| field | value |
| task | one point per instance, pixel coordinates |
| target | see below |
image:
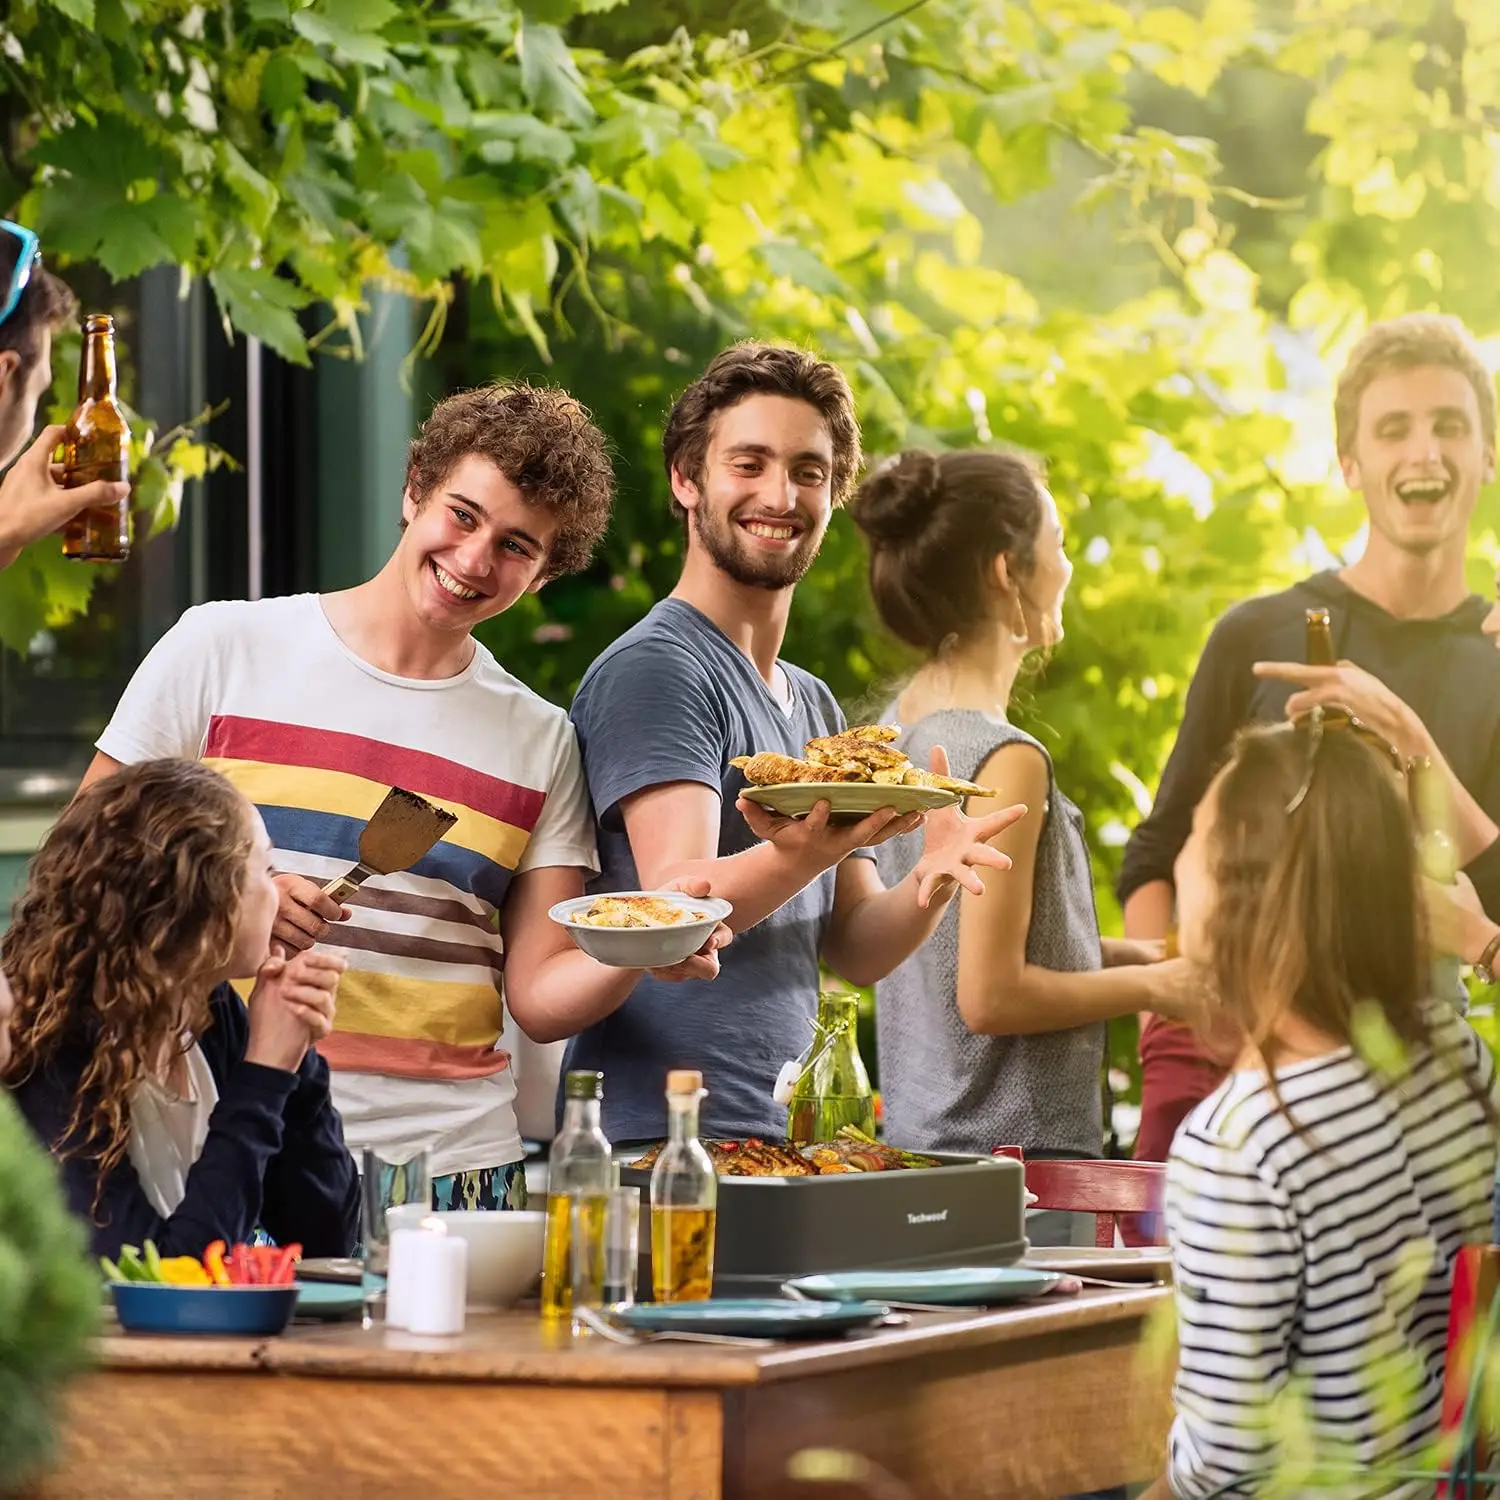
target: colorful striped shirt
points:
(267, 694)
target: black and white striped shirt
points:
(1313, 1270)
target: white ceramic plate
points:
(1118, 1262)
(848, 801)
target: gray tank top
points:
(943, 1087)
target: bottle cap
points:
(99, 323)
(786, 1082)
(684, 1081)
(584, 1084)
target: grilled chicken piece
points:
(770, 769)
(749, 1158)
(855, 750)
(762, 1159)
(915, 777)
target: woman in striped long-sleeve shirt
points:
(1316, 1201)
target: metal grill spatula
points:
(403, 828)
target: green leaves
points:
(348, 28)
(263, 306)
(49, 1299)
(550, 77)
(81, 11)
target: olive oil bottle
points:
(578, 1173)
(684, 1200)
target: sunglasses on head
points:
(28, 257)
(1315, 721)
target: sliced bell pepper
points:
(111, 1271)
(153, 1262)
(184, 1270)
(213, 1264)
(132, 1267)
(284, 1271)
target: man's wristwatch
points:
(1485, 967)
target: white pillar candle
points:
(427, 1286)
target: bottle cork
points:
(684, 1081)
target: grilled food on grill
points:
(636, 911)
(749, 1158)
(852, 1152)
(864, 753)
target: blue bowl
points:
(151, 1307)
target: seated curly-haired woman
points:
(178, 1113)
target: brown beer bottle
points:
(96, 445)
(1320, 653)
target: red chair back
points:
(1105, 1189)
(1476, 1273)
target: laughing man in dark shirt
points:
(1415, 416)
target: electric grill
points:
(969, 1211)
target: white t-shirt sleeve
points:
(165, 708)
(564, 833)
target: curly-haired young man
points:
(314, 706)
(758, 451)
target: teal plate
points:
(954, 1286)
(327, 1299)
(755, 1317)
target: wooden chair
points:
(1105, 1189)
(1471, 1324)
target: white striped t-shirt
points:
(1313, 1270)
(269, 695)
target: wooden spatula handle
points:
(342, 888)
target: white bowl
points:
(642, 947)
(505, 1247)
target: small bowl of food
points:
(640, 929)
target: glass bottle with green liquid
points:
(832, 1088)
(578, 1174)
(1437, 857)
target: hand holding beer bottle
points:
(96, 445)
(33, 502)
(1349, 697)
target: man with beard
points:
(758, 451)
(1415, 417)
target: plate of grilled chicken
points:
(856, 772)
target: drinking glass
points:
(386, 1185)
(622, 1245)
(605, 1247)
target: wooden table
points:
(1047, 1399)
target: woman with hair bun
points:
(177, 1113)
(993, 1032)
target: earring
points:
(1022, 634)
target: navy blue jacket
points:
(274, 1157)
